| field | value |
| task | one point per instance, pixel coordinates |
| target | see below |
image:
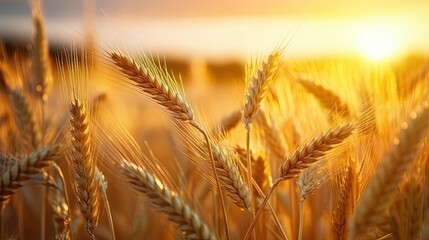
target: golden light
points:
(379, 43)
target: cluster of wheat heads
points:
(331, 150)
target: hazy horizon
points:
(230, 29)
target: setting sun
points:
(378, 43)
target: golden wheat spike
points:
(259, 85)
(41, 67)
(230, 178)
(157, 83)
(310, 153)
(377, 196)
(25, 120)
(344, 191)
(86, 186)
(190, 224)
(407, 209)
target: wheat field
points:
(108, 144)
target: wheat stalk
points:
(343, 192)
(308, 182)
(161, 87)
(25, 121)
(327, 98)
(41, 68)
(188, 221)
(308, 154)
(256, 91)
(407, 209)
(15, 176)
(84, 167)
(376, 197)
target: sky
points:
(233, 28)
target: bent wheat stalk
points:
(378, 194)
(188, 221)
(162, 88)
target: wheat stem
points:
(259, 212)
(249, 180)
(301, 218)
(263, 196)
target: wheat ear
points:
(188, 221)
(84, 167)
(62, 219)
(310, 153)
(25, 120)
(308, 182)
(343, 192)
(59, 203)
(376, 198)
(259, 85)
(15, 176)
(230, 177)
(155, 82)
(327, 98)
(41, 68)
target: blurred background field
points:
(349, 46)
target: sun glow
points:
(379, 43)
